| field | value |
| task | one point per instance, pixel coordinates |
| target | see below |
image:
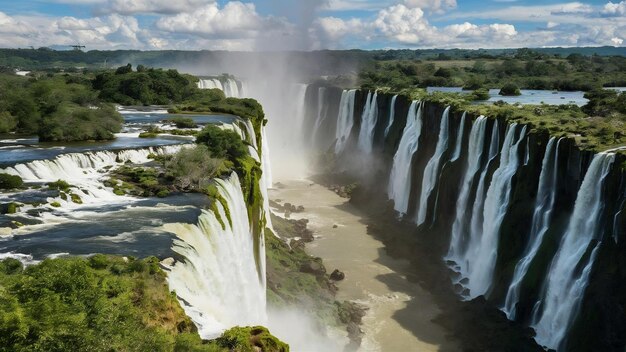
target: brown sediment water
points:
(400, 312)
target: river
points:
(373, 278)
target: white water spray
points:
(368, 123)
(218, 283)
(431, 172)
(399, 187)
(544, 204)
(483, 249)
(392, 114)
(474, 160)
(345, 119)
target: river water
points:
(373, 278)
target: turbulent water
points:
(218, 282)
(83, 171)
(570, 268)
(400, 179)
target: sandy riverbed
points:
(372, 277)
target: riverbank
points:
(400, 312)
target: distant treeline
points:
(527, 69)
(45, 58)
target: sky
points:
(310, 24)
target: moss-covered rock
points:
(250, 339)
(10, 181)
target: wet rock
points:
(296, 244)
(464, 281)
(300, 208)
(313, 267)
(337, 275)
(335, 226)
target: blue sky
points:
(311, 24)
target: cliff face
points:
(597, 320)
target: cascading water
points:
(400, 178)
(368, 122)
(218, 283)
(483, 248)
(431, 172)
(322, 108)
(459, 139)
(392, 114)
(544, 204)
(229, 86)
(84, 170)
(569, 272)
(345, 119)
(476, 219)
(474, 162)
(299, 112)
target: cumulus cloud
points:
(404, 25)
(614, 9)
(126, 7)
(234, 20)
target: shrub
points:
(10, 181)
(59, 185)
(481, 94)
(222, 143)
(183, 122)
(510, 89)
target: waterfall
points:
(467, 254)
(392, 114)
(300, 112)
(474, 160)
(368, 123)
(83, 171)
(77, 166)
(322, 108)
(399, 187)
(476, 216)
(431, 172)
(218, 282)
(484, 248)
(459, 139)
(345, 119)
(546, 194)
(229, 86)
(266, 177)
(570, 268)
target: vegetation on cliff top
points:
(104, 303)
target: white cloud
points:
(614, 9)
(404, 25)
(127, 7)
(235, 20)
(551, 24)
(438, 6)
(617, 41)
(349, 5)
